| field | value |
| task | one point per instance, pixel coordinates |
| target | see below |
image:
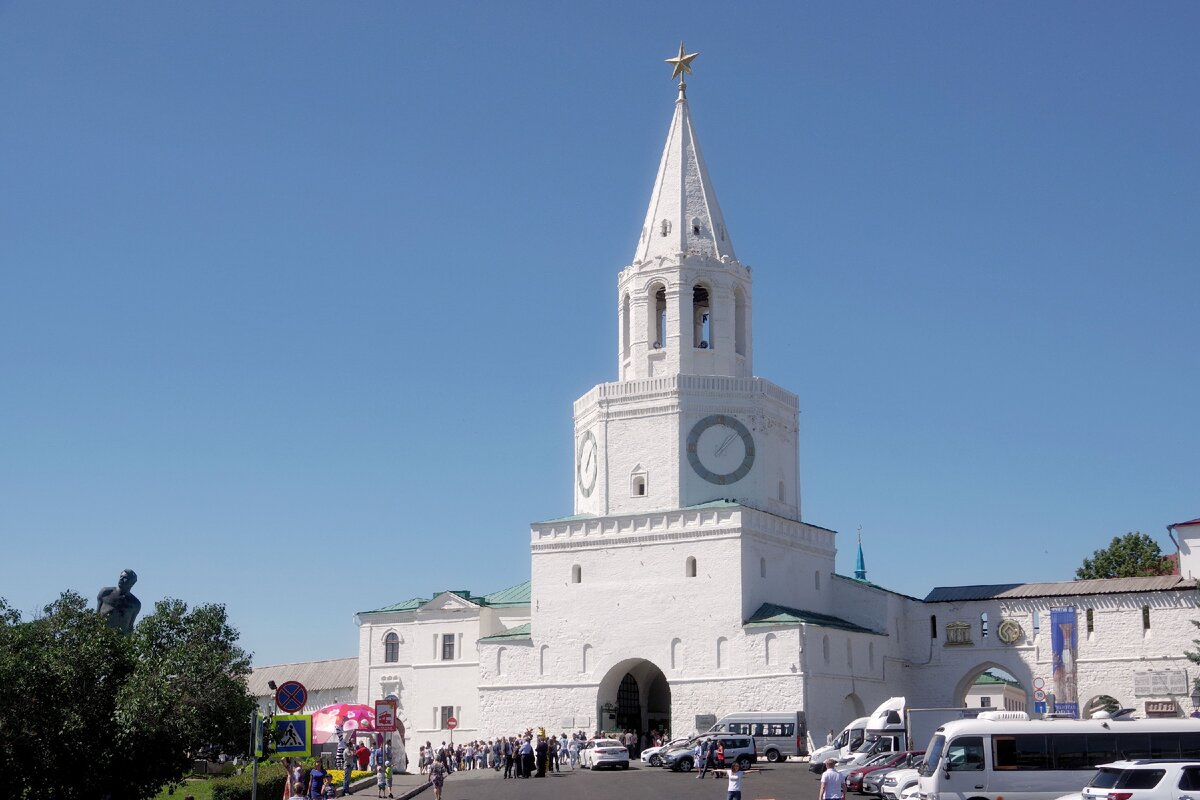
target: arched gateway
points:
(634, 695)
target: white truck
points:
(892, 727)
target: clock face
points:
(586, 464)
(720, 449)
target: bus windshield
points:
(933, 755)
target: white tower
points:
(687, 423)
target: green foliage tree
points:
(89, 713)
(1130, 556)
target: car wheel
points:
(774, 756)
(685, 764)
(744, 762)
(655, 761)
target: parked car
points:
(651, 755)
(873, 781)
(741, 749)
(856, 778)
(597, 753)
(1144, 779)
(898, 781)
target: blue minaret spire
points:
(860, 564)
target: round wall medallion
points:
(720, 449)
(1009, 631)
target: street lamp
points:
(1196, 699)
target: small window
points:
(933, 626)
(825, 648)
(391, 648)
(637, 486)
(1145, 618)
(689, 568)
(762, 567)
(576, 574)
(1091, 621)
(817, 579)
(983, 626)
(447, 647)
(447, 714)
(782, 493)
(1037, 623)
(985, 702)
(665, 227)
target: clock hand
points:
(587, 460)
(725, 444)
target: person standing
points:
(833, 783)
(542, 751)
(735, 782)
(527, 758)
(316, 779)
(506, 748)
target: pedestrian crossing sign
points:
(293, 735)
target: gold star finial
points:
(682, 63)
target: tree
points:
(1133, 555)
(90, 713)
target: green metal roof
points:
(518, 595)
(505, 598)
(771, 614)
(988, 679)
(519, 632)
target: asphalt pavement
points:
(786, 781)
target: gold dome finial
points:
(683, 66)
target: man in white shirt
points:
(833, 783)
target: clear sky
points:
(296, 296)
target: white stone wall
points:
(1188, 537)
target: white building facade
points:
(687, 501)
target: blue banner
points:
(1063, 641)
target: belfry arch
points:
(1018, 677)
(634, 694)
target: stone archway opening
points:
(634, 695)
(852, 707)
(991, 687)
(1101, 702)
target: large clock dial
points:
(586, 464)
(720, 449)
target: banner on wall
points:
(1063, 641)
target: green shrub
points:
(271, 780)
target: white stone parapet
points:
(671, 385)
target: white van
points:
(779, 734)
(845, 743)
(1004, 754)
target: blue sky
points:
(297, 296)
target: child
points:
(735, 782)
(387, 773)
(328, 791)
(380, 779)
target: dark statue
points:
(117, 605)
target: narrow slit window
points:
(1145, 618)
(689, 567)
(701, 318)
(658, 318)
(933, 626)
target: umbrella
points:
(353, 717)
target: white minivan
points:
(778, 734)
(849, 740)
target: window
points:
(985, 702)
(933, 626)
(587, 657)
(665, 227)
(1091, 622)
(391, 648)
(675, 653)
(739, 322)
(1037, 623)
(817, 579)
(637, 484)
(782, 493)
(983, 626)
(695, 226)
(625, 325)
(1023, 752)
(762, 567)
(965, 754)
(658, 317)
(689, 567)
(768, 646)
(447, 713)
(825, 648)
(576, 574)
(1145, 618)
(722, 658)
(542, 659)
(701, 319)
(447, 647)
(500, 660)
